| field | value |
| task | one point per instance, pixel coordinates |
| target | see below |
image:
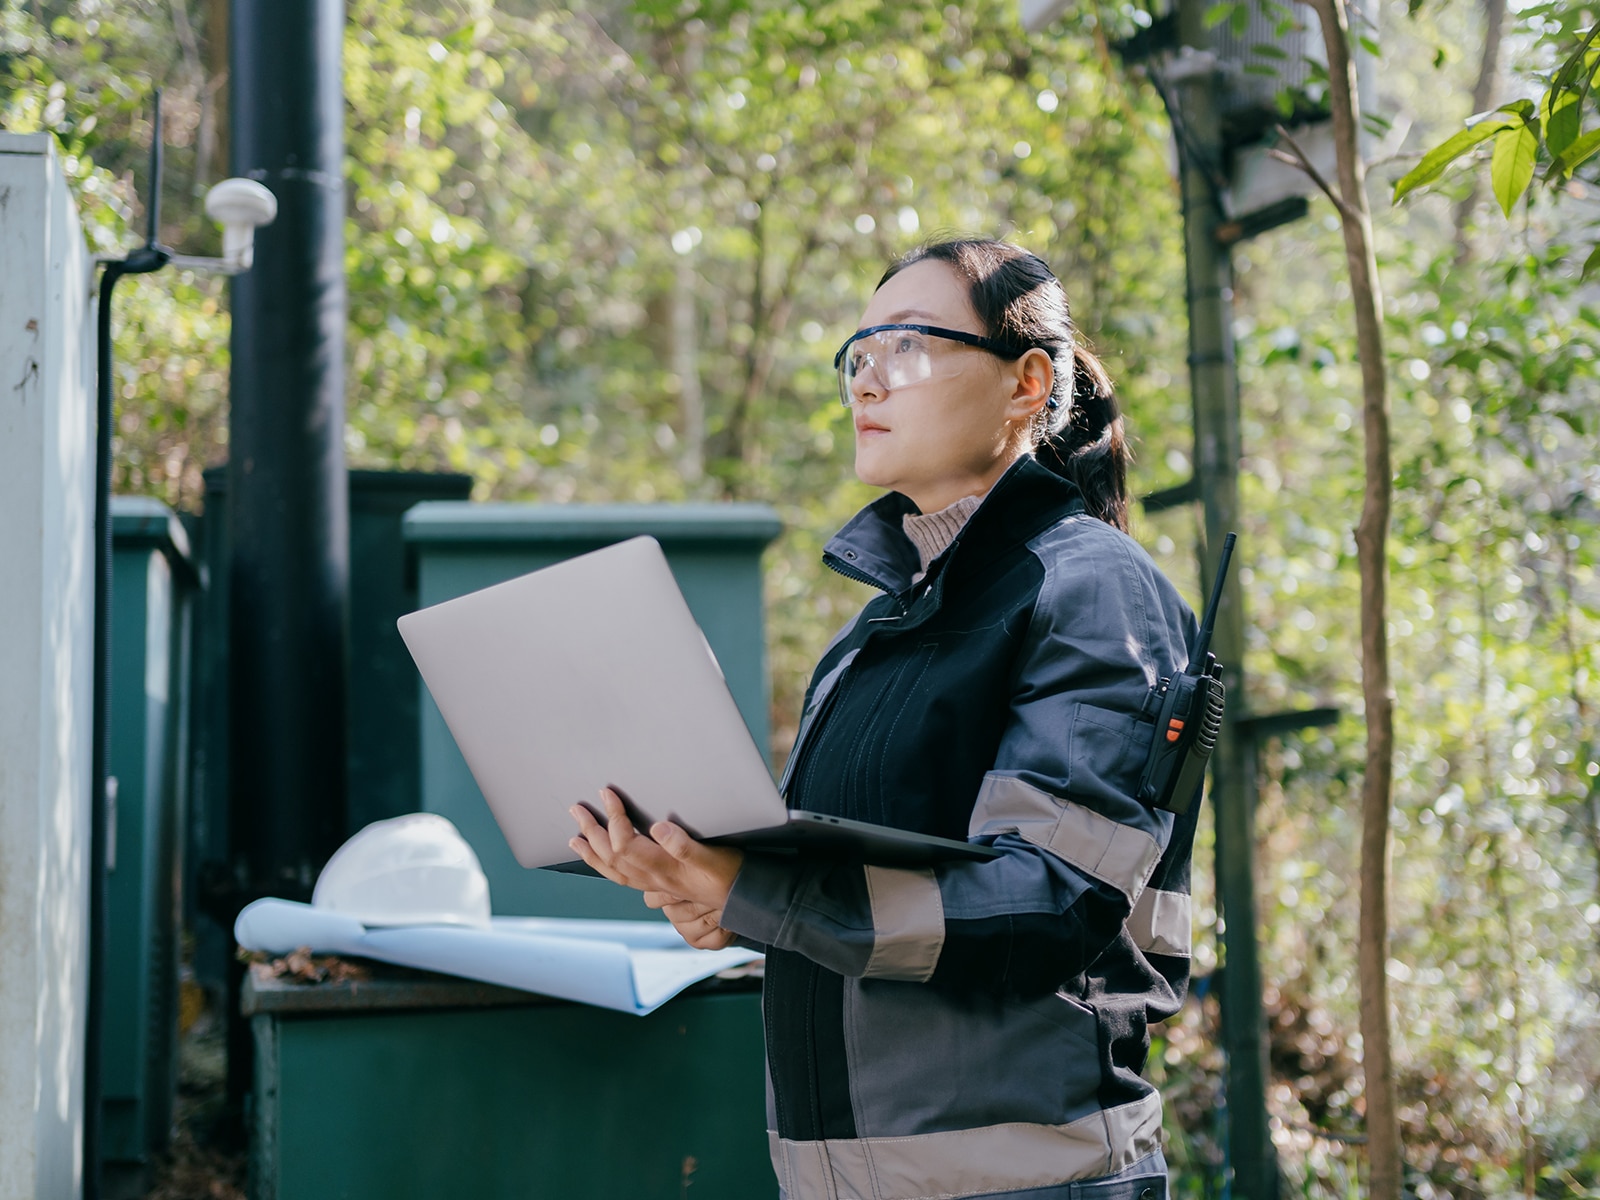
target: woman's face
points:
(953, 433)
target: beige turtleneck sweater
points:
(931, 533)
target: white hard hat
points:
(410, 870)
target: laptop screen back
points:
(587, 674)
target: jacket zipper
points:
(808, 726)
(849, 572)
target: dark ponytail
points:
(1090, 447)
(1019, 300)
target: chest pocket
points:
(1106, 753)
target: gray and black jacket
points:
(979, 1029)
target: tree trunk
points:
(686, 366)
(1494, 19)
(212, 151)
(1589, 748)
(194, 68)
(1372, 536)
(768, 322)
(1488, 792)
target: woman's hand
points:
(699, 925)
(687, 880)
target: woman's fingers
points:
(698, 924)
(591, 830)
(675, 841)
(604, 846)
(593, 844)
(710, 870)
(618, 822)
(585, 850)
(687, 912)
(620, 852)
(669, 864)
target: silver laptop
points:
(592, 673)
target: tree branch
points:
(1297, 158)
(1372, 535)
(1494, 19)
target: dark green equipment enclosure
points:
(153, 581)
(715, 554)
(446, 1088)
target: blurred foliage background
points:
(606, 252)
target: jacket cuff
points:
(759, 901)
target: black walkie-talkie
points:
(1190, 715)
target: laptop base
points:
(839, 839)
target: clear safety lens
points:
(889, 359)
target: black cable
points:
(1187, 149)
(99, 743)
(152, 256)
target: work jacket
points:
(978, 1028)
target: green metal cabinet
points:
(152, 584)
(425, 1087)
(715, 554)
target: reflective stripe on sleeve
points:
(971, 1162)
(1108, 850)
(907, 923)
(1160, 923)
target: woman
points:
(977, 1029)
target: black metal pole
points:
(288, 502)
(152, 210)
(1215, 386)
(152, 256)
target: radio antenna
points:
(1208, 622)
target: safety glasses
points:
(898, 356)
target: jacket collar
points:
(873, 547)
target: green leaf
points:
(1370, 45)
(1579, 151)
(1218, 13)
(1575, 62)
(1589, 264)
(1268, 50)
(1441, 156)
(1562, 122)
(1511, 168)
(1239, 20)
(1516, 108)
